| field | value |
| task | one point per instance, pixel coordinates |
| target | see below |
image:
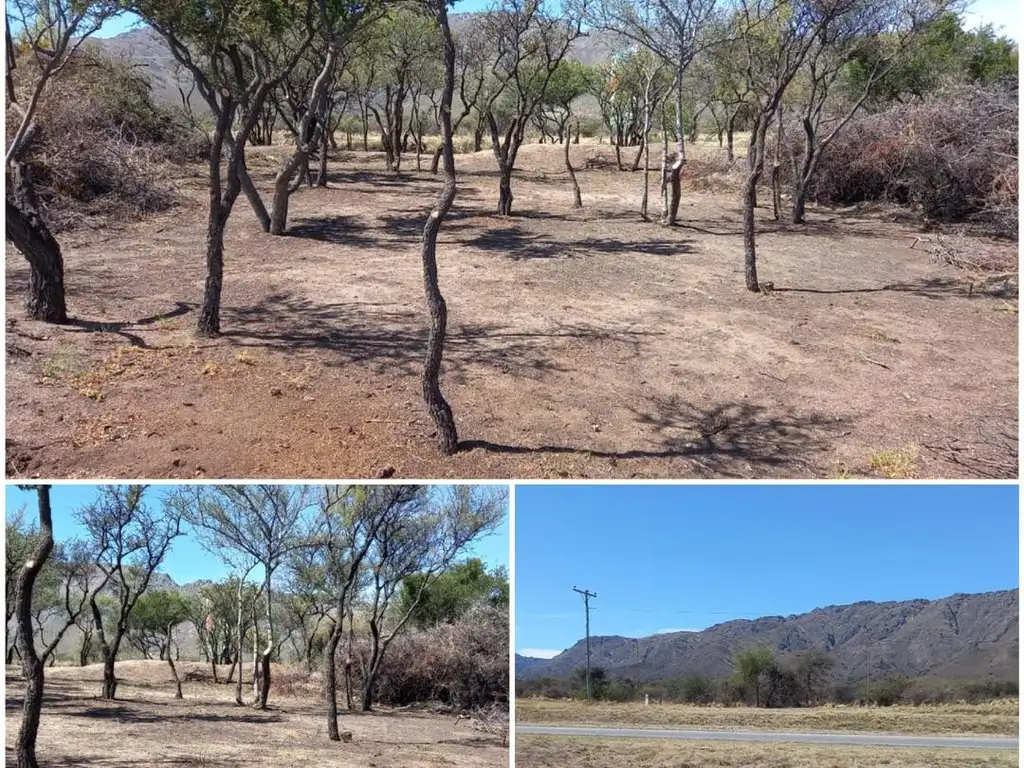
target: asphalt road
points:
(859, 739)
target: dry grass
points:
(561, 752)
(896, 463)
(147, 726)
(998, 717)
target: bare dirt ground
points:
(993, 718)
(582, 343)
(561, 752)
(147, 726)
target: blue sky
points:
(187, 560)
(670, 558)
(1005, 15)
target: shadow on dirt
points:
(395, 339)
(734, 440)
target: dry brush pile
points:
(104, 151)
(951, 157)
(462, 665)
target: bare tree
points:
(471, 72)
(262, 523)
(236, 56)
(776, 37)
(336, 23)
(530, 43)
(673, 30)
(129, 542)
(437, 405)
(31, 664)
(54, 31)
(404, 43)
(352, 518)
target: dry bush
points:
(103, 149)
(713, 172)
(953, 158)
(462, 665)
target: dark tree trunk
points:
(636, 160)
(209, 316)
(618, 157)
(436, 160)
(331, 682)
(505, 193)
(798, 213)
(30, 235)
(326, 138)
(264, 679)
(32, 666)
(777, 167)
(730, 130)
(109, 678)
(478, 135)
(577, 199)
(749, 246)
(440, 411)
(174, 670)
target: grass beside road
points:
(571, 752)
(992, 718)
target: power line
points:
(586, 607)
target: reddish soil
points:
(582, 343)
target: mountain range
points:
(961, 637)
(145, 48)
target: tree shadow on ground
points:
(336, 229)
(927, 288)
(126, 714)
(735, 440)
(518, 245)
(181, 308)
(78, 760)
(386, 179)
(395, 340)
(408, 228)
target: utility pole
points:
(586, 607)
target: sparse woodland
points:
(358, 597)
(836, 103)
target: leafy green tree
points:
(450, 595)
(599, 683)
(750, 666)
(697, 689)
(569, 81)
(812, 668)
(151, 626)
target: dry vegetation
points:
(561, 752)
(998, 717)
(582, 344)
(147, 726)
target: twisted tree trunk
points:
(32, 666)
(440, 411)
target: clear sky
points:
(670, 558)
(187, 560)
(1005, 15)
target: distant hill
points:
(147, 49)
(965, 637)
